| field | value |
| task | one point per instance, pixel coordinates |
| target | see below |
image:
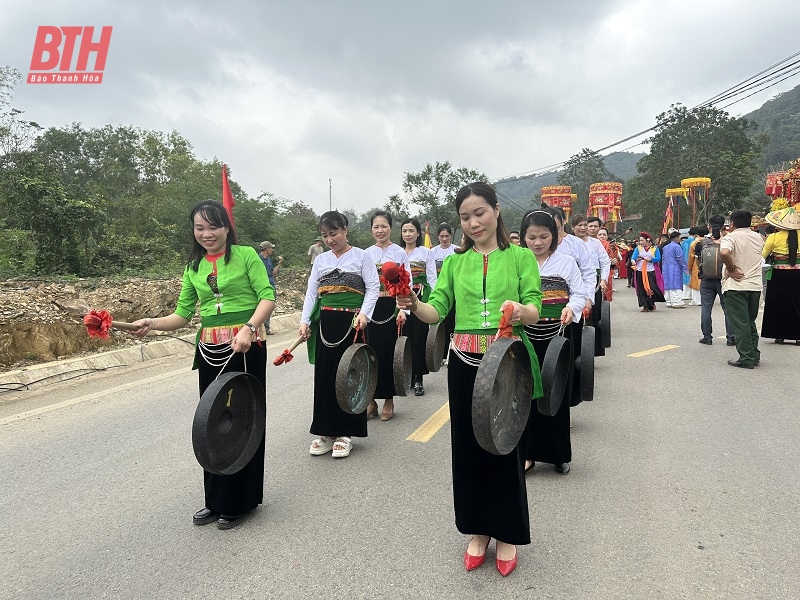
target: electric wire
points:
(785, 71)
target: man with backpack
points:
(710, 273)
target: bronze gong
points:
(402, 365)
(434, 347)
(584, 364)
(356, 378)
(605, 323)
(501, 398)
(556, 375)
(229, 423)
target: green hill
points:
(779, 118)
(523, 190)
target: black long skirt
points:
(383, 338)
(548, 437)
(645, 301)
(329, 419)
(417, 332)
(243, 491)
(489, 493)
(782, 306)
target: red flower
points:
(396, 279)
(97, 324)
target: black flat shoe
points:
(736, 363)
(204, 516)
(779, 341)
(706, 341)
(418, 389)
(730, 342)
(228, 521)
(563, 468)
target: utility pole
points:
(330, 194)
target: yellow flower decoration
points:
(779, 204)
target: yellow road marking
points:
(652, 351)
(429, 428)
(126, 386)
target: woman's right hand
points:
(143, 327)
(404, 302)
(304, 331)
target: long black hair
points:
(213, 212)
(792, 247)
(540, 218)
(485, 191)
(417, 226)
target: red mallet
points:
(287, 356)
(99, 322)
(506, 329)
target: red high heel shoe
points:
(506, 566)
(473, 562)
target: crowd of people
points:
(549, 283)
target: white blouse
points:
(561, 265)
(574, 247)
(355, 260)
(423, 255)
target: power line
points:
(740, 88)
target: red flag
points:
(227, 197)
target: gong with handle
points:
(229, 423)
(501, 398)
(356, 378)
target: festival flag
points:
(667, 219)
(227, 197)
(426, 241)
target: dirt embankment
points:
(40, 320)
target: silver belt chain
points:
(546, 331)
(217, 355)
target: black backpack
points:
(710, 263)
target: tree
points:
(698, 142)
(434, 190)
(580, 171)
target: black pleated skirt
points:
(782, 306)
(599, 346)
(489, 493)
(329, 419)
(383, 338)
(243, 491)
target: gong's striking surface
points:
(229, 423)
(501, 398)
(356, 378)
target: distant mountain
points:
(779, 118)
(523, 190)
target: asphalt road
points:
(684, 484)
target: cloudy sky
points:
(293, 93)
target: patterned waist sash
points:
(225, 334)
(781, 261)
(476, 343)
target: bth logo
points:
(55, 47)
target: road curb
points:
(36, 376)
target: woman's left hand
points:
(516, 314)
(361, 321)
(567, 316)
(242, 341)
(401, 318)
